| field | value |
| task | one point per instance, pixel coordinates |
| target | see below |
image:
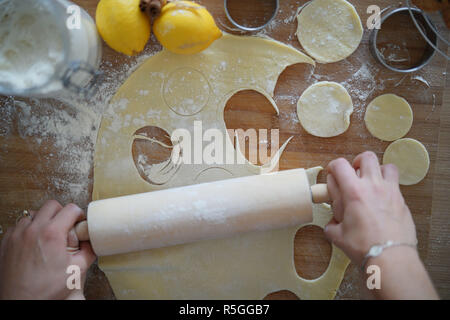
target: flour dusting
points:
(61, 135)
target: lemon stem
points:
(152, 7)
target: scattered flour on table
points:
(61, 134)
(361, 86)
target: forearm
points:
(403, 275)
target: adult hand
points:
(368, 206)
(34, 256)
(369, 209)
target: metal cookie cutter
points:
(433, 28)
(251, 29)
(425, 27)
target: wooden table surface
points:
(32, 170)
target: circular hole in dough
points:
(151, 150)
(281, 295)
(250, 109)
(389, 117)
(324, 109)
(312, 252)
(411, 158)
(329, 30)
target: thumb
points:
(333, 232)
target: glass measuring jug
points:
(47, 47)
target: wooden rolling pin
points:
(200, 212)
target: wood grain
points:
(438, 259)
(25, 168)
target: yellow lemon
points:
(122, 25)
(185, 27)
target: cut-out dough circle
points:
(411, 158)
(389, 117)
(324, 109)
(195, 88)
(329, 30)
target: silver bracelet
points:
(377, 249)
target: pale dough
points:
(244, 267)
(389, 117)
(324, 109)
(411, 158)
(329, 30)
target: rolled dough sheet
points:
(389, 117)
(329, 30)
(324, 109)
(411, 158)
(178, 91)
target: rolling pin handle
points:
(82, 232)
(320, 194)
